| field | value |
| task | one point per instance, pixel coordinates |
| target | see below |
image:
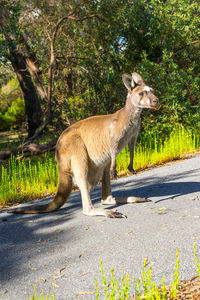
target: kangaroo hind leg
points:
(80, 165)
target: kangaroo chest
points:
(125, 135)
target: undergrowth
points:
(145, 288)
(25, 179)
(41, 296)
(155, 151)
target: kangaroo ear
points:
(137, 79)
(128, 81)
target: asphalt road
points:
(65, 247)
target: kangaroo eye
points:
(141, 94)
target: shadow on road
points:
(22, 237)
(25, 236)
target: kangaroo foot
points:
(115, 214)
(132, 170)
(104, 212)
(109, 200)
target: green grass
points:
(37, 177)
(155, 151)
(145, 288)
(27, 179)
(41, 296)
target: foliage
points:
(13, 115)
(117, 290)
(196, 260)
(22, 180)
(159, 40)
(42, 296)
(174, 288)
(153, 150)
(12, 108)
(149, 291)
(121, 290)
(76, 108)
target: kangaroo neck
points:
(132, 112)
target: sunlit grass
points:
(153, 152)
(145, 288)
(27, 179)
(37, 177)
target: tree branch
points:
(32, 148)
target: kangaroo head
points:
(140, 94)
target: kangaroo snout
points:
(156, 104)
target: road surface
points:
(65, 247)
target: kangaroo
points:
(86, 152)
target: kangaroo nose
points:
(155, 101)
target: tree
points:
(76, 52)
(15, 51)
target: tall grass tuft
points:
(41, 296)
(144, 288)
(26, 179)
(155, 151)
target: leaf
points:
(162, 208)
(59, 271)
(41, 278)
(51, 251)
(57, 276)
(84, 293)
(42, 241)
(58, 230)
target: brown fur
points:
(86, 151)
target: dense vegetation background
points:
(62, 61)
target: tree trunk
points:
(32, 104)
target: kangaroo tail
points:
(63, 192)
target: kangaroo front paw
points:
(132, 170)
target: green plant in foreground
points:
(196, 260)
(156, 151)
(150, 289)
(114, 290)
(173, 291)
(42, 296)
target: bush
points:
(13, 116)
